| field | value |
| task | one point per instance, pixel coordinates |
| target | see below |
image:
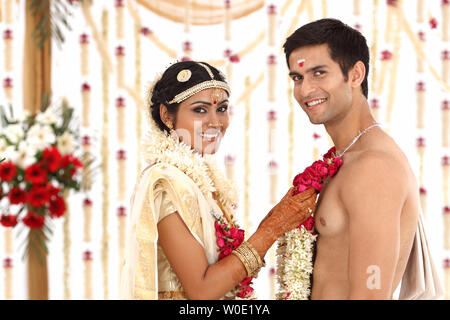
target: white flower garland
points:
(294, 264)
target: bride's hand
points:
(290, 212)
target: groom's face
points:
(319, 84)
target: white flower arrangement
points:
(295, 264)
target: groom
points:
(368, 213)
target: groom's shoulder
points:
(374, 167)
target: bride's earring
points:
(172, 132)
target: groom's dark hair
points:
(346, 45)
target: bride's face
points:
(202, 120)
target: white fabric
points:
(420, 280)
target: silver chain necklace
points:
(340, 154)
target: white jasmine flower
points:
(40, 136)
(14, 133)
(23, 115)
(46, 118)
(24, 155)
(65, 143)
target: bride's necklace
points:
(340, 154)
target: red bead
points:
(120, 102)
(227, 53)
(445, 2)
(119, 3)
(445, 161)
(273, 164)
(420, 86)
(229, 158)
(7, 83)
(374, 104)
(84, 38)
(7, 263)
(87, 255)
(316, 136)
(272, 59)
(272, 9)
(421, 142)
(234, 58)
(386, 55)
(358, 27)
(85, 87)
(445, 105)
(227, 4)
(391, 3)
(86, 141)
(446, 209)
(187, 46)
(120, 51)
(421, 35)
(121, 211)
(445, 55)
(121, 155)
(146, 31)
(272, 115)
(87, 202)
(433, 23)
(423, 191)
(8, 34)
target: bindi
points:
(301, 62)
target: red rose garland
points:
(228, 239)
(315, 176)
(295, 248)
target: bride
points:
(183, 241)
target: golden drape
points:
(36, 63)
(202, 12)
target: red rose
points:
(17, 195)
(332, 170)
(38, 196)
(338, 161)
(52, 158)
(52, 191)
(309, 224)
(57, 207)
(237, 234)
(220, 242)
(8, 220)
(7, 171)
(36, 174)
(33, 220)
(317, 186)
(330, 153)
(72, 163)
(247, 281)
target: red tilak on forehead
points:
(301, 62)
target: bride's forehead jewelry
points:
(184, 75)
(216, 94)
(301, 62)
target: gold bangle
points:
(261, 262)
(243, 260)
(249, 258)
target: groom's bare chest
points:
(330, 216)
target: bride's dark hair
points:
(168, 87)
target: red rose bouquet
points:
(39, 168)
